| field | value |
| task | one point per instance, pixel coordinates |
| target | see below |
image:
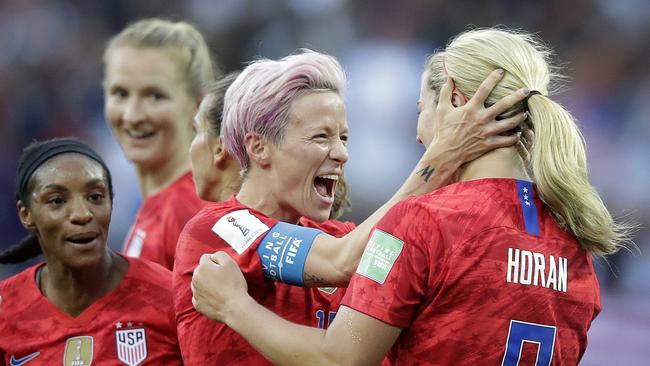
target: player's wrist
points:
(237, 307)
(444, 153)
(434, 170)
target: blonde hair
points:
(341, 199)
(179, 36)
(558, 158)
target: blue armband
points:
(283, 252)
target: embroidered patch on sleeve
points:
(239, 229)
(379, 256)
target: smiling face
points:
(147, 104)
(427, 104)
(307, 163)
(69, 208)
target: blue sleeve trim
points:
(528, 209)
(284, 250)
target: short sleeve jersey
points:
(131, 325)
(477, 273)
(206, 342)
(159, 222)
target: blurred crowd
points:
(51, 85)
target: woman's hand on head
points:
(472, 130)
(217, 286)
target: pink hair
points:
(258, 101)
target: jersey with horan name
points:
(131, 325)
(477, 273)
(159, 222)
(266, 250)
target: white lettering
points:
(539, 268)
(381, 264)
(531, 269)
(552, 275)
(526, 274)
(562, 274)
(513, 266)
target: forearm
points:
(282, 342)
(434, 170)
(333, 261)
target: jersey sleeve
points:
(332, 227)
(175, 220)
(394, 270)
(237, 233)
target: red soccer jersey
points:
(159, 222)
(131, 325)
(473, 269)
(206, 342)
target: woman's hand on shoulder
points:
(217, 286)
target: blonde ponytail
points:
(559, 165)
(558, 157)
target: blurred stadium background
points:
(51, 74)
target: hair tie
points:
(40, 152)
(530, 94)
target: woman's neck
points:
(262, 198)
(499, 163)
(152, 180)
(228, 184)
(74, 290)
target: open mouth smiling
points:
(139, 134)
(83, 238)
(325, 185)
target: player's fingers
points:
(220, 257)
(486, 87)
(0, 299)
(444, 100)
(528, 136)
(498, 141)
(505, 125)
(205, 258)
(523, 151)
(508, 101)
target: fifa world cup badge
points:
(131, 346)
(78, 351)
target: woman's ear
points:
(457, 98)
(25, 216)
(220, 155)
(258, 149)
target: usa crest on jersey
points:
(131, 346)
